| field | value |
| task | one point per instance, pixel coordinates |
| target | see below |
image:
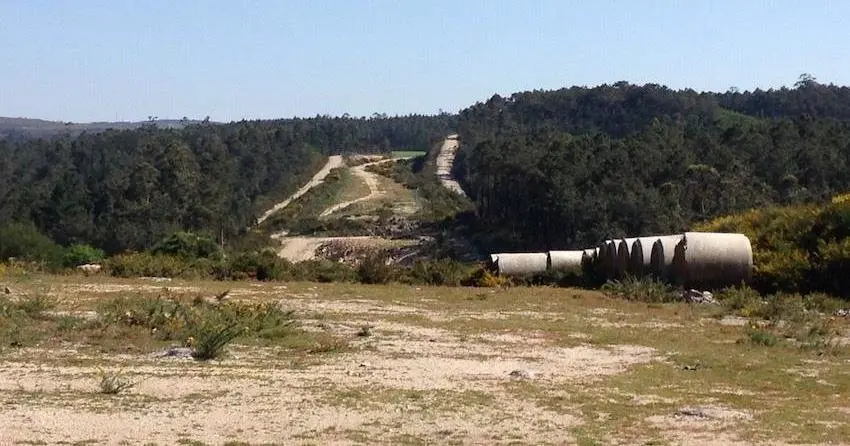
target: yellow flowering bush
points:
(799, 248)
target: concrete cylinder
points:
(710, 260)
(569, 261)
(661, 257)
(522, 264)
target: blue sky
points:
(81, 60)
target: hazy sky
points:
(81, 60)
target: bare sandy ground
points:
(439, 366)
(445, 161)
(334, 161)
(299, 249)
(405, 381)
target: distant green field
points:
(408, 153)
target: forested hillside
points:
(545, 169)
(568, 168)
(127, 189)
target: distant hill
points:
(568, 168)
(40, 128)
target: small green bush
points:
(188, 245)
(743, 301)
(376, 269)
(207, 325)
(823, 303)
(445, 272)
(762, 337)
(796, 249)
(35, 307)
(210, 337)
(783, 307)
(23, 241)
(322, 270)
(481, 277)
(263, 265)
(76, 255)
(644, 289)
(145, 264)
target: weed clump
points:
(376, 269)
(207, 326)
(644, 289)
(784, 318)
(113, 383)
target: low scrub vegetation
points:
(114, 382)
(419, 174)
(645, 289)
(804, 321)
(802, 248)
(137, 323)
(309, 206)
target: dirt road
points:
(371, 180)
(299, 249)
(334, 161)
(445, 162)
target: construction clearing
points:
(408, 365)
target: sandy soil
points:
(299, 249)
(404, 382)
(334, 161)
(445, 161)
(439, 366)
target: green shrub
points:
(35, 307)
(797, 249)
(19, 318)
(322, 270)
(444, 272)
(260, 265)
(482, 277)
(207, 325)
(145, 264)
(376, 269)
(762, 337)
(644, 289)
(782, 270)
(743, 301)
(823, 303)
(188, 245)
(783, 307)
(210, 337)
(831, 267)
(76, 255)
(23, 241)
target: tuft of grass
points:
(742, 301)
(210, 338)
(114, 382)
(645, 289)
(365, 331)
(36, 307)
(329, 345)
(759, 336)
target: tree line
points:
(127, 189)
(571, 167)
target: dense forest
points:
(545, 169)
(127, 189)
(568, 168)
